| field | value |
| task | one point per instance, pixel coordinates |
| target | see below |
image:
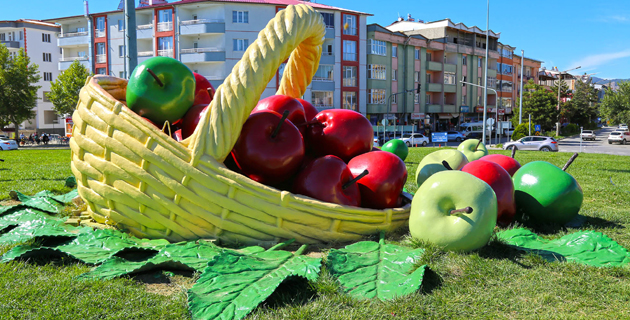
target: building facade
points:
(210, 37)
(39, 41)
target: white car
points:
(8, 144)
(415, 139)
(588, 135)
(623, 127)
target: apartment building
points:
(210, 37)
(531, 68)
(437, 56)
(39, 41)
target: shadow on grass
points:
(295, 291)
(496, 249)
(579, 221)
(160, 275)
(430, 281)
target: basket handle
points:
(297, 31)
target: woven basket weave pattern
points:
(137, 178)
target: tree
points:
(583, 106)
(18, 89)
(616, 105)
(64, 92)
(541, 104)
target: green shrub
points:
(520, 131)
(570, 129)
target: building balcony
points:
(101, 58)
(64, 63)
(448, 67)
(327, 58)
(144, 31)
(451, 47)
(99, 33)
(144, 55)
(492, 73)
(330, 33)
(450, 88)
(434, 87)
(11, 44)
(165, 26)
(434, 66)
(73, 39)
(450, 108)
(165, 53)
(323, 85)
(200, 26)
(434, 108)
(194, 55)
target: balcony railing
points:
(73, 58)
(145, 26)
(101, 58)
(164, 26)
(145, 53)
(165, 53)
(198, 50)
(198, 21)
(214, 77)
(350, 31)
(72, 34)
(100, 33)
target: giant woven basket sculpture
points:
(137, 178)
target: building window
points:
(394, 99)
(350, 100)
(394, 74)
(47, 76)
(121, 25)
(463, 100)
(100, 71)
(506, 53)
(3, 37)
(416, 76)
(377, 47)
(349, 25)
(121, 51)
(416, 98)
(376, 96)
(394, 51)
(165, 46)
(240, 44)
(100, 27)
(349, 76)
(165, 20)
(121, 74)
(428, 78)
(506, 86)
(328, 50)
(464, 60)
(47, 57)
(479, 62)
(427, 98)
(329, 19)
(506, 102)
(349, 50)
(449, 78)
(21, 36)
(46, 37)
(417, 54)
(504, 68)
(429, 56)
(45, 96)
(492, 82)
(376, 71)
(322, 99)
(280, 70)
(240, 16)
(528, 72)
(324, 73)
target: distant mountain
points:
(597, 80)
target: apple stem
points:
(211, 93)
(446, 165)
(357, 178)
(513, 152)
(285, 114)
(155, 77)
(566, 165)
(464, 210)
(478, 143)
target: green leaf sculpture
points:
(371, 269)
(233, 284)
(585, 247)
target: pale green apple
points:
(470, 149)
(432, 219)
(432, 163)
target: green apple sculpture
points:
(545, 193)
(454, 210)
(397, 147)
(473, 149)
(432, 163)
(161, 89)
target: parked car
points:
(8, 144)
(455, 136)
(414, 139)
(619, 136)
(623, 127)
(541, 143)
(588, 135)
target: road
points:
(600, 145)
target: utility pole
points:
(520, 104)
(131, 43)
(485, 77)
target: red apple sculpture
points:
(340, 132)
(381, 188)
(501, 182)
(204, 91)
(270, 148)
(509, 164)
(309, 110)
(280, 103)
(191, 119)
(328, 179)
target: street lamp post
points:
(389, 102)
(484, 118)
(558, 107)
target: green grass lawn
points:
(493, 282)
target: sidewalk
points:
(45, 146)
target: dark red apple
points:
(177, 135)
(230, 163)
(279, 103)
(380, 188)
(309, 110)
(191, 119)
(204, 91)
(270, 148)
(340, 132)
(328, 179)
(509, 164)
(501, 182)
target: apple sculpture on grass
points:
(340, 132)
(501, 183)
(381, 188)
(397, 147)
(329, 179)
(204, 91)
(454, 210)
(270, 148)
(280, 103)
(309, 110)
(546, 193)
(473, 149)
(509, 164)
(432, 163)
(161, 89)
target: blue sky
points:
(564, 33)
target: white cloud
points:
(619, 18)
(600, 59)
